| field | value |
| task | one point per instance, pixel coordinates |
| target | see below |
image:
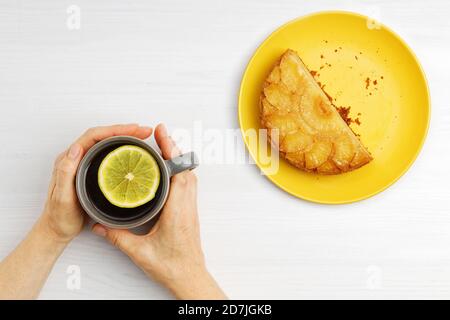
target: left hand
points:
(63, 216)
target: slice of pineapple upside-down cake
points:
(311, 134)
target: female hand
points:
(24, 271)
(62, 215)
(171, 252)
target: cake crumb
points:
(367, 82)
(328, 96)
(344, 112)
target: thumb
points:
(124, 240)
(66, 170)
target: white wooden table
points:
(181, 62)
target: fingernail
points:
(146, 128)
(163, 129)
(74, 151)
(99, 230)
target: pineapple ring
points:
(313, 136)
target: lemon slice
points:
(129, 176)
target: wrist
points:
(47, 231)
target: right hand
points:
(171, 252)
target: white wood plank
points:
(179, 62)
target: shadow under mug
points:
(100, 209)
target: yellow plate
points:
(346, 49)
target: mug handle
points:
(186, 161)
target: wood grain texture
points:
(181, 62)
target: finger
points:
(165, 142)
(124, 240)
(182, 193)
(94, 135)
(52, 183)
(66, 169)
